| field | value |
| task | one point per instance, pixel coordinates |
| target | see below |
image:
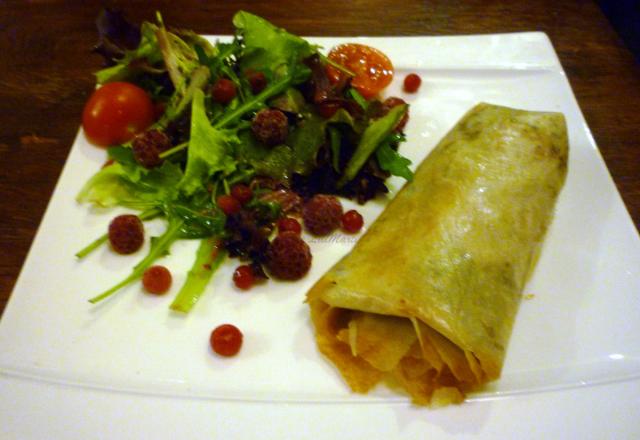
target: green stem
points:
(208, 259)
(340, 67)
(92, 246)
(157, 249)
(173, 150)
(275, 88)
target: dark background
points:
(624, 15)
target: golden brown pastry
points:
(427, 298)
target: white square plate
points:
(578, 328)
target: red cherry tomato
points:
(228, 204)
(286, 224)
(242, 193)
(412, 83)
(243, 277)
(226, 340)
(373, 69)
(352, 221)
(157, 280)
(116, 112)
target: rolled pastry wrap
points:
(427, 298)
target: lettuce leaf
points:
(180, 58)
(117, 184)
(210, 149)
(269, 48)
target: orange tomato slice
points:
(372, 68)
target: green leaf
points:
(181, 99)
(373, 135)
(342, 117)
(265, 211)
(179, 57)
(208, 259)
(198, 222)
(209, 150)
(305, 141)
(131, 185)
(268, 47)
(277, 163)
(223, 54)
(148, 50)
(334, 144)
(357, 97)
(390, 160)
(122, 155)
(108, 187)
(290, 101)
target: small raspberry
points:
(288, 257)
(126, 234)
(322, 214)
(147, 147)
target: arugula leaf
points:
(200, 217)
(270, 48)
(373, 135)
(221, 57)
(390, 160)
(209, 151)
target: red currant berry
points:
(157, 280)
(412, 83)
(243, 277)
(352, 222)
(228, 204)
(223, 91)
(226, 340)
(286, 224)
(242, 193)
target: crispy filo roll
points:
(426, 300)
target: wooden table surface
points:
(46, 76)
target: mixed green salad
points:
(216, 126)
